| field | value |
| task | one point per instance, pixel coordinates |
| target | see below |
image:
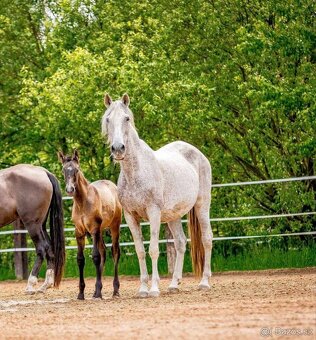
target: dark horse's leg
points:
(115, 233)
(49, 278)
(38, 237)
(49, 252)
(97, 259)
(81, 263)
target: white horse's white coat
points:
(158, 186)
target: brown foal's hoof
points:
(97, 296)
(116, 295)
(80, 296)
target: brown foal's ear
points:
(75, 156)
(61, 156)
(107, 100)
(125, 99)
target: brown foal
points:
(96, 207)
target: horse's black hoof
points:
(97, 296)
(116, 295)
(80, 296)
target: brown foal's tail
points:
(197, 249)
(56, 221)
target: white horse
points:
(161, 186)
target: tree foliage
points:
(235, 78)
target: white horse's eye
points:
(107, 120)
(127, 119)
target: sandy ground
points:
(240, 305)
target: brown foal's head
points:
(70, 170)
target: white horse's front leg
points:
(154, 220)
(140, 250)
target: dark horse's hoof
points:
(80, 296)
(116, 295)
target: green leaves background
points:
(234, 78)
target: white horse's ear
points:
(61, 156)
(75, 155)
(125, 99)
(107, 100)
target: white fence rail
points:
(219, 219)
(267, 181)
(124, 244)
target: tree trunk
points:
(20, 258)
(171, 251)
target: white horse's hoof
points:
(173, 290)
(204, 287)
(142, 294)
(30, 292)
(154, 293)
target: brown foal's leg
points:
(102, 251)
(81, 263)
(97, 240)
(115, 234)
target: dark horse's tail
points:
(56, 221)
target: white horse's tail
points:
(197, 249)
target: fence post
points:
(20, 258)
(171, 251)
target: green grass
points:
(266, 258)
(249, 256)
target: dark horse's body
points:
(29, 194)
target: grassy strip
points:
(258, 257)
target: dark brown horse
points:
(96, 207)
(28, 195)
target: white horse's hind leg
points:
(31, 282)
(154, 219)
(140, 250)
(49, 281)
(180, 242)
(207, 240)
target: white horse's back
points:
(180, 164)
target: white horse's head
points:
(117, 122)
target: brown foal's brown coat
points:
(96, 207)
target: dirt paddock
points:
(245, 305)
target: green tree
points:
(235, 78)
